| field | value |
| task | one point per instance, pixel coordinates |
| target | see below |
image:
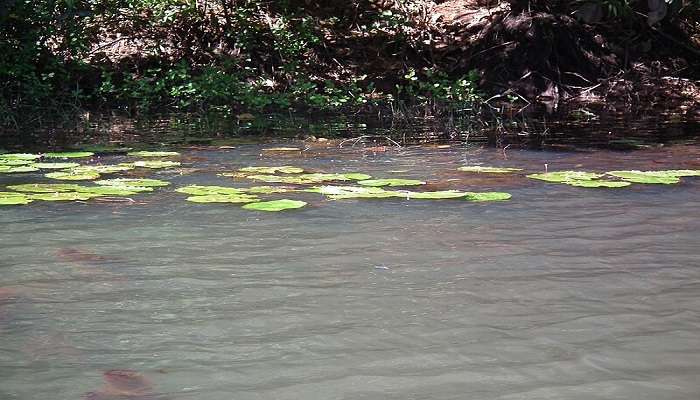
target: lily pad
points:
(353, 192)
(102, 169)
(62, 196)
(564, 176)
(488, 196)
(45, 187)
(286, 169)
(153, 153)
(14, 163)
(57, 165)
(73, 176)
(282, 149)
(668, 177)
(275, 205)
(223, 198)
(9, 169)
(597, 183)
(437, 195)
(110, 190)
(304, 179)
(156, 164)
(133, 182)
(390, 182)
(69, 154)
(488, 170)
(266, 189)
(19, 156)
(12, 198)
(199, 190)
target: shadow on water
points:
(567, 130)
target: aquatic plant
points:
(285, 169)
(488, 170)
(303, 179)
(223, 198)
(140, 182)
(11, 169)
(56, 165)
(153, 153)
(19, 156)
(390, 182)
(69, 154)
(282, 149)
(102, 169)
(275, 205)
(156, 164)
(14, 163)
(62, 196)
(44, 187)
(199, 190)
(266, 189)
(12, 198)
(666, 177)
(71, 175)
(360, 192)
(488, 196)
(579, 179)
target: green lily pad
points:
(390, 182)
(564, 176)
(73, 176)
(153, 153)
(107, 149)
(286, 169)
(596, 183)
(102, 169)
(57, 165)
(45, 187)
(19, 156)
(223, 198)
(437, 195)
(275, 205)
(133, 182)
(110, 190)
(353, 192)
(12, 198)
(156, 164)
(9, 169)
(69, 154)
(489, 170)
(199, 190)
(668, 177)
(488, 196)
(14, 163)
(304, 179)
(282, 149)
(265, 189)
(62, 196)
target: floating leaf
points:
(275, 205)
(111, 190)
(265, 189)
(488, 196)
(62, 196)
(45, 187)
(14, 163)
(102, 149)
(73, 176)
(199, 190)
(57, 165)
(69, 154)
(223, 198)
(102, 169)
(9, 169)
(133, 182)
(437, 195)
(286, 169)
(489, 170)
(304, 179)
(353, 192)
(653, 177)
(19, 156)
(282, 149)
(564, 176)
(153, 153)
(11, 198)
(596, 183)
(391, 182)
(156, 164)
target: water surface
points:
(559, 293)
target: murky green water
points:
(559, 293)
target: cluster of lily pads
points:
(610, 179)
(28, 192)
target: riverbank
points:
(484, 60)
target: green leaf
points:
(489, 170)
(102, 169)
(62, 196)
(156, 164)
(199, 190)
(285, 169)
(69, 154)
(305, 179)
(153, 153)
(437, 195)
(57, 165)
(488, 196)
(11, 198)
(133, 182)
(564, 176)
(390, 182)
(275, 205)
(14, 163)
(668, 177)
(9, 169)
(223, 198)
(45, 187)
(266, 189)
(73, 176)
(19, 156)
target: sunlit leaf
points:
(488, 170)
(275, 205)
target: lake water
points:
(560, 293)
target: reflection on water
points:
(560, 293)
